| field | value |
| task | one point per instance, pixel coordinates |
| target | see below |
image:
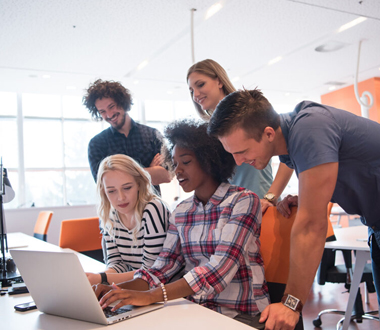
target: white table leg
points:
(361, 259)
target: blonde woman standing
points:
(208, 84)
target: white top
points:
(123, 254)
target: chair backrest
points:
(81, 234)
(42, 225)
(275, 243)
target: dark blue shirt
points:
(316, 134)
(142, 144)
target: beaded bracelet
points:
(164, 293)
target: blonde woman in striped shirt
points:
(133, 219)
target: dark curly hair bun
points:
(192, 135)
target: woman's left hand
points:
(126, 297)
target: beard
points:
(120, 122)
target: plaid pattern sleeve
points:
(169, 263)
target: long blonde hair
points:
(213, 70)
(146, 193)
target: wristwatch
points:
(270, 197)
(292, 302)
(104, 278)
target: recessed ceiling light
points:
(330, 46)
(46, 76)
(170, 92)
(135, 82)
(332, 88)
(287, 94)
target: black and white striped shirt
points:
(123, 254)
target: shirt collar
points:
(218, 195)
(115, 131)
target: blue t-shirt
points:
(248, 177)
(317, 134)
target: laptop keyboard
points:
(109, 313)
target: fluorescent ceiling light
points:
(213, 10)
(143, 64)
(351, 24)
(275, 60)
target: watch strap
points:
(104, 278)
(292, 302)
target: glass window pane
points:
(8, 103)
(80, 188)
(8, 143)
(44, 188)
(158, 125)
(158, 110)
(77, 135)
(43, 143)
(185, 109)
(39, 105)
(13, 179)
(73, 108)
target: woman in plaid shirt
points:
(211, 254)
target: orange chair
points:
(42, 225)
(275, 251)
(82, 235)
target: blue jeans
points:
(375, 256)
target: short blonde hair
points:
(146, 193)
(214, 70)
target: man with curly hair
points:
(110, 101)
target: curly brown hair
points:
(109, 89)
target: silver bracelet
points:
(164, 293)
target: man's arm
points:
(316, 187)
(158, 173)
(282, 178)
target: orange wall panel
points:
(345, 98)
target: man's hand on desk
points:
(279, 317)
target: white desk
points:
(352, 238)
(178, 314)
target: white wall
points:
(23, 220)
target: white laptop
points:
(59, 286)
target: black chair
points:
(329, 272)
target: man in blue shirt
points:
(336, 156)
(110, 101)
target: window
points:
(44, 148)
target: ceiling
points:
(61, 46)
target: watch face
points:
(270, 197)
(291, 302)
